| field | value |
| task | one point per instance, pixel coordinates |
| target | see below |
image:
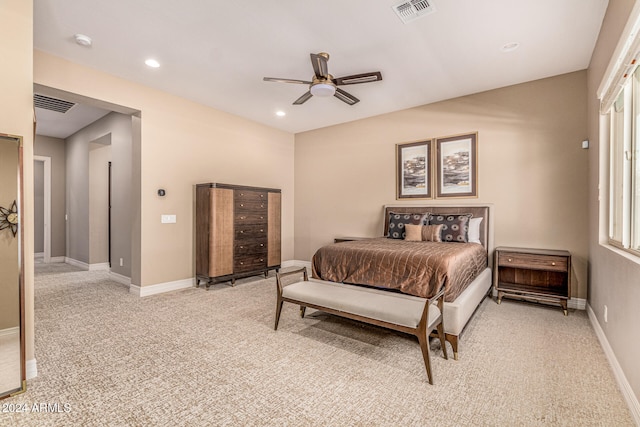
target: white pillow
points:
(474, 230)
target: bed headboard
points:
(476, 210)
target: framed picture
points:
(414, 170)
(457, 166)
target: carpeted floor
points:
(212, 358)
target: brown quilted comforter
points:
(415, 268)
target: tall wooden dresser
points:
(237, 232)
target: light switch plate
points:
(168, 219)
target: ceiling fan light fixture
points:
(323, 89)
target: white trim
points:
(103, 266)
(38, 255)
(10, 331)
(76, 263)
(626, 50)
(618, 373)
(120, 278)
(32, 368)
(577, 303)
(56, 259)
(145, 291)
(296, 263)
(47, 205)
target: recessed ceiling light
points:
(510, 47)
(83, 40)
(152, 63)
(280, 113)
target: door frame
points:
(47, 205)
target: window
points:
(624, 167)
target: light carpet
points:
(211, 358)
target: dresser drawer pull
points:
(242, 217)
(241, 205)
(553, 263)
(261, 259)
(261, 230)
(262, 245)
(510, 260)
(241, 263)
(241, 231)
(262, 195)
(262, 205)
(242, 194)
(241, 247)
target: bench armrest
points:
(279, 277)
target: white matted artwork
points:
(414, 170)
(456, 166)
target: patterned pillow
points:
(397, 221)
(455, 227)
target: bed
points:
(420, 268)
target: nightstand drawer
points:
(532, 261)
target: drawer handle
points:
(241, 231)
(241, 247)
(242, 217)
(553, 263)
(261, 217)
(261, 259)
(241, 205)
(509, 260)
(242, 194)
(262, 245)
(261, 230)
(241, 263)
(262, 205)
(262, 195)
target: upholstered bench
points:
(400, 312)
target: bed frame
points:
(457, 313)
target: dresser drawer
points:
(242, 249)
(250, 196)
(532, 261)
(251, 232)
(244, 218)
(250, 206)
(249, 263)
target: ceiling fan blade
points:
(320, 67)
(275, 79)
(345, 97)
(304, 98)
(358, 78)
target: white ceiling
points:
(217, 52)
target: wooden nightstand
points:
(539, 275)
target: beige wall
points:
(16, 117)
(182, 144)
(531, 167)
(55, 149)
(615, 278)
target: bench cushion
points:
(391, 307)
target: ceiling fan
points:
(324, 84)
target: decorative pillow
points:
(474, 230)
(413, 232)
(422, 233)
(455, 227)
(397, 221)
(432, 233)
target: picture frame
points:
(457, 166)
(413, 170)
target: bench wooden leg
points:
(278, 311)
(453, 340)
(302, 310)
(443, 341)
(423, 339)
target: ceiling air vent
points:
(409, 10)
(51, 104)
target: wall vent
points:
(407, 11)
(51, 104)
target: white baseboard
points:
(103, 266)
(38, 255)
(145, 291)
(297, 263)
(577, 303)
(57, 259)
(618, 373)
(120, 278)
(32, 368)
(76, 263)
(10, 331)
